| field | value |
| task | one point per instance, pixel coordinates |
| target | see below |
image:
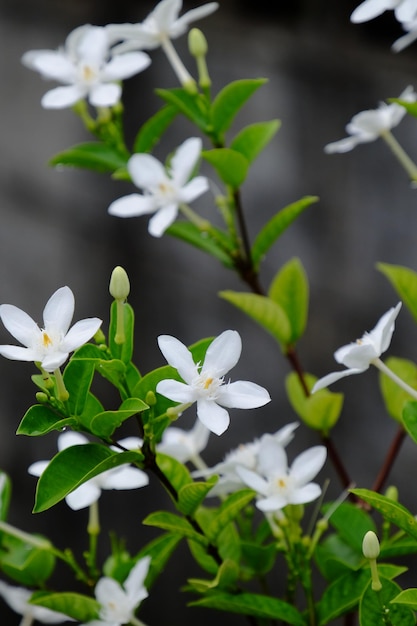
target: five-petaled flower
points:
(123, 477)
(18, 598)
(276, 484)
(161, 25)
(368, 125)
(118, 603)
(405, 10)
(359, 355)
(50, 346)
(205, 384)
(86, 68)
(164, 189)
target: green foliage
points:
(404, 281)
(189, 105)
(230, 165)
(24, 563)
(105, 423)
(410, 419)
(407, 598)
(212, 241)
(391, 511)
(252, 139)
(395, 398)
(289, 289)
(151, 131)
(229, 101)
(95, 156)
(40, 419)
(174, 524)
(376, 608)
(320, 410)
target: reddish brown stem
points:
(389, 459)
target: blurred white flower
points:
(205, 383)
(117, 602)
(408, 38)
(164, 189)
(123, 477)
(359, 355)
(50, 345)
(18, 600)
(86, 68)
(368, 125)
(405, 10)
(278, 485)
(185, 445)
(245, 455)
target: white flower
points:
(246, 455)
(405, 10)
(164, 190)
(276, 484)
(123, 477)
(18, 599)
(205, 383)
(358, 356)
(408, 38)
(161, 24)
(86, 69)
(368, 125)
(185, 445)
(118, 603)
(50, 345)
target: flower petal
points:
(17, 353)
(176, 391)
(80, 333)
(93, 45)
(333, 377)
(83, 496)
(59, 310)
(105, 95)
(195, 188)
(184, 160)
(304, 494)
(126, 65)
(37, 468)
(368, 10)
(213, 416)
(132, 205)
(357, 355)
(162, 220)
(123, 478)
(146, 171)
(50, 64)
(19, 324)
(272, 503)
(272, 458)
(178, 355)
(252, 480)
(307, 465)
(243, 394)
(180, 25)
(382, 333)
(222, 354)
(63, 97)
(134, 583)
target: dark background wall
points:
(55, 230)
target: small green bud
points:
(197, 43)
(119, 284)
(41, 397)
(150, 398)
(370, 545)
(100, 337)
(392, 493)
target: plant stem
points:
(399, 152)
(389, 460)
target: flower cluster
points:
(405, 12)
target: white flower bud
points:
(370, 545)
(119, 284)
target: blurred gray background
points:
(55, 231)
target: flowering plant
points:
(255, 517)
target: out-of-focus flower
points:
(164, 189)
(276, 484)
(411, 35)
(368, 125)
(50, 345)
(405, 10)
(123, 477)
(118, 603)
(185, 445)
(359, 355)
(205, 384)
(18, 600)
(245, 455)
(85, 67)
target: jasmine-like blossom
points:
(367, 126)
(50, 346)
(164, 189)
(204, 383)
(161, 25)
(405, 10)
(18, 600)
(278, 485)
(118, 603)
(359, 355)
(86, 68)
(245, 455)
(185, 445)
(123, 477)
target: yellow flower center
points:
(46, 340)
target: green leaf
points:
(376, 608)
(78, 376)
(73, 466)
(230, 100)
(231, 166)
(40, 419)
(395, 398)
(174, 524)
(93, 155)
(79, 607)
(252, 604)
(351, 523)
(214, 241)
(410, 420)
(192, 495)
(254, 138)
(188, 104)
(5, 495)
(391, 511)
(260, 559)
(408, 597)
(152, 130)
(335, 557)
(290, 290)
(226, 577)
(228, 511)
(160, 550)
(404, 282)
(105, 423)
(276, 226)
(176, 472)
(264, 311)
(320, 410)
(24, 563)
(342, 596)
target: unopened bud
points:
(370, 545)
(392, 493)
(197, 43)
(119, 284)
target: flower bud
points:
(370, 545)
(197, 43)
(119, 284)
(392, 493)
